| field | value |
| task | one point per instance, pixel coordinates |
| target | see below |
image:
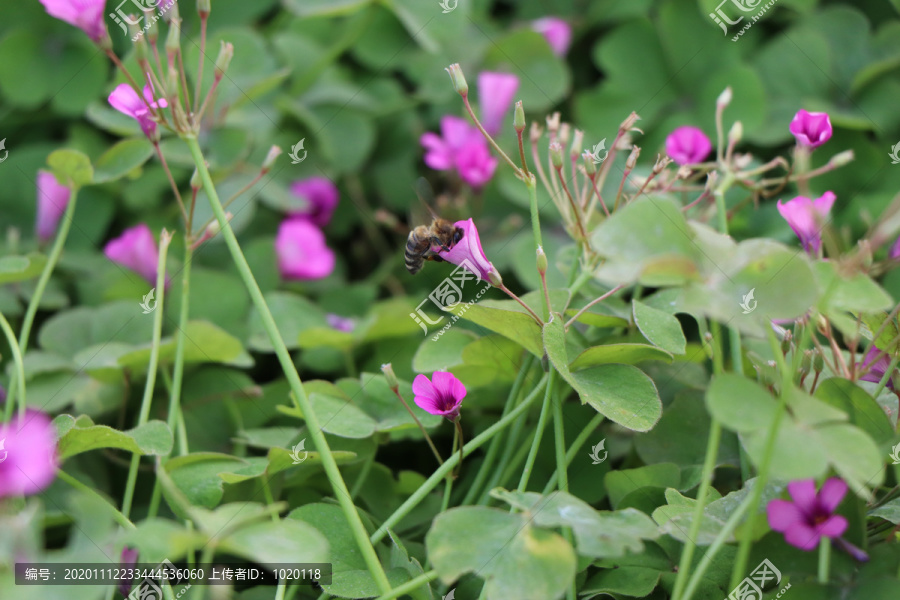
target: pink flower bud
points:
(811, 129)
(557, 32)
(52, 200)
(688, 145)
(302, 252)
(495, 95)
(806, 217)
(87, 15)
(136, 250)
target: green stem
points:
(824, 559)
(279, 591)
(574, 448)
(119, 517)
(448, 465)
(538, 433)
(448, 486)
(270, 499)
(363, 474)
(144, 415)
(20, 368)
(563, 477)
(35, 301)
(531, 184)
(299, 394)
(411, 585)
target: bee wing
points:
(421, 212)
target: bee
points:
(422, 241)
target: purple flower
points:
(127, 561)
(811, 129)
(125, 100)
(688, 145)
(321, 199)
(468, 253)
(136, 250)
(340, 323)
(461, 147)
(895, 250)
(28, 453)
(52, 200)
(806, 218)
(556, 31)
(495, 96)
(876, 368)
(440, 396)
(87, 15)
(302, 253)
(810, 516)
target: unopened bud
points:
(172, 13)
(662, 161)
(629, 122)
(458, 79)
(564, 133)
(590, 167)
(724, 98)
(226, 53)
(267, 165)
(786, 342)
(535, 133)
(172, 79)
(553, 124)
(196, 181)
(632, 158)
(806, 362)
(556, 155)
(140, 44)
(173, 39)
(577, 143)
(203, 8)
(389, 375)
(519, 118)
(818, 362)
(735, 133)
(541, 261)
(494, 277)
(842, 158)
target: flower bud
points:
(564, 133)
(806, 362)
(267, 165)
(556, 155)
(711, 178)
(735, 133)
(173, 39)
(494, 277)
(629, 122)
(818, 362)
(389, 375)
(458, 79)
(590, 167)
(203, 8)
(171, 82)
(724, 98)
(535, 133)
(226, 53)
(519, 118)
(632, 158)
(842, 158)
(786, 342)
(196, 181)
(172, 13)
(577, 143)
(553, 124)
(541, 261)
(140, 44)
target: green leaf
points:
(77, 435)
(859, 406)
(660, 328)
(739, 403)
(293, 315)
(634, 582)
(121, 159)
(306, 8)
(270, 543)
(505, 317)
(204, 342)
(624, 481)
(387, 319)
(516, 560)
(622, 393)
(197, 475)
(598, 534)
(325, 337)
(21, 268)
(544, 77)
(856, 293)
(628, 354)
(337, 414)
(71, 167)
(444, 353)
(889, 511)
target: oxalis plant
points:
(799, 413)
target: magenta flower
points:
(87, 15)
(340, 323)
(302, 253)
(136, 250)
(126, 562)
(495, 96)
(556, 31)
(125, 100)
(468, 253)
(321, 199)
(876, 368)
(52, 200)
(688, 145)
(461, 147)
(811, 129)
(28, 453)
(895, 249)
(806, 218)
(810, 516)
(440, 396)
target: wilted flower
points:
(495, 96)
(556, 31)
(340, 323)
(876, 368)
(688, 145)
(302, 252)
(87, 15)
(136, 250)
(52, 200)
(806, 217)
(29, 456)
(468, 252)
(442, 395)
(125, 100)
(463, 148)
(126, 564)
(811, 129)
(321, 199)
(810, 516)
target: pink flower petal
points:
(136, 250)
(804, 494)
(52, 200)
(782, 514)
(468, 252)
(495, 96)
(831, 494)
(556, 31)
(302, 252)
(801, 535)
(833, 526)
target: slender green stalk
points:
(562, 475)
(824, 559)
(886, 377)
(573, 450)
(448, 486)
(35, 301)
(448, 465)
(363, 474)
(279, 591)
(508, 458)
(421, 427)
(270, 499)
(20, 368)
(299, 394)
(411, 585)
(119, 517)
(531, 184)
(538, 433)
(144, 415)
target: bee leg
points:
(436, 242)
